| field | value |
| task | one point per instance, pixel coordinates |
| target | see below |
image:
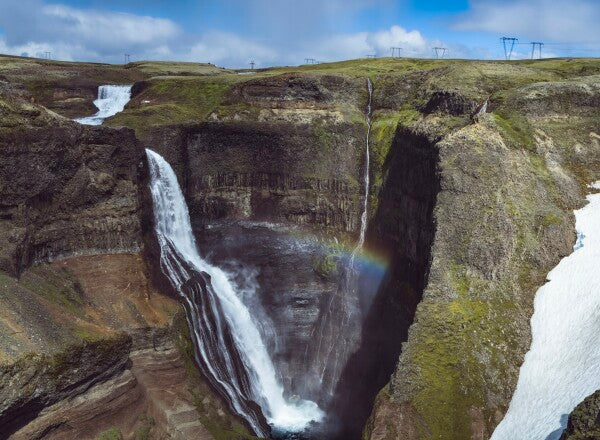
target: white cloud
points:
(228, 49)
(109, 29)
(34, 27)
(411, 42)
(557, 20)
(81, 34)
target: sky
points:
(231, 33)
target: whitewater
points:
(562, 366)
(111, 100)
(174, 233)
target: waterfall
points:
(365, 210)
(111, 100)
(229, 347)
(562, 366)
(340, 324)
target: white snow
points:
(562, 366)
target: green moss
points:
(111, 434)
(55, 285)
(516, 130)
(174, 100)
(449, 355)
(143, 432)
(86, 334)
(326, 266)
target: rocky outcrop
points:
(36, 382)
(75, 192)
(146, 390)
(584, 420)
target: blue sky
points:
(278, 32)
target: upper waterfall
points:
(228, 343)
(111, 100)
(562, 367)
(365, 208)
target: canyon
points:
(387, 243)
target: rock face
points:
(32, 384)
(66, 189)
(584, 420)
(131, 385)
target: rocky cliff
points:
(67, 189)
(88, 347)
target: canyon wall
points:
(88, 346)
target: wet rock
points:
(584, 420)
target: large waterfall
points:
(563, 365)
(229, 346)
(111, 100)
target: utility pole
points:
(252, 65)
(508, 49)
(309, 60)
(539, 44)
(127, 58)
(396, 49)
(440, 51)
(48, 55)
(371, 55)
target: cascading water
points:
(228, 344)
(111, 100)
(563, 365)
(365, 212)
(339, 325)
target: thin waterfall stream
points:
(339, 327)
(228, 344)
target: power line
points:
(440, 50)
(508, 50)
(396, 49)
(535, 44)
